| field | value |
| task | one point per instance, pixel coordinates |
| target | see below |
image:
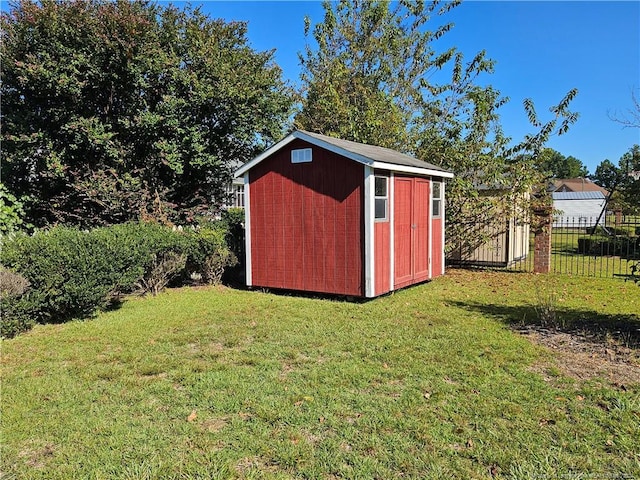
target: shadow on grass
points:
(623, 328)
(283, 292)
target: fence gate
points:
(507, 246)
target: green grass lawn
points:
(429, 382)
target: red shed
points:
(335, 216)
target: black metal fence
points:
(579, 246)
(584, 246)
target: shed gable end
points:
(307, 222)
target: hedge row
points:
(68, 273)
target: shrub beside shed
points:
(334, 216)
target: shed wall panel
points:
(307, 222)
(437, 249)
(382, 261)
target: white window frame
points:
(437, 199)
(384, 197)
(301, 155)
(238, 196)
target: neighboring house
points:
(578, 209)
(235, 191)
(334, 216)
(576, 185)
(578, 202)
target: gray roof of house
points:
(578, 195)
(377, 154)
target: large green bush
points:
(233, 220)
(210, 254)
(11, 212)
(73, 273)
(16, 308)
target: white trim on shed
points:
(375, 157)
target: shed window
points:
(301, 155)
(436, 208)
(381, 199)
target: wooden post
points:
(542, 241)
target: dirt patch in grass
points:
(37, 457)
(583, 356)
(214, 425)
(248, 465)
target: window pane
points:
(381, 208)
(381, 186)
(301, 155)
(436, 189)
(436, 207)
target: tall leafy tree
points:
(113, 108)
(608, 175)
(365, 79)
(556, 165)
(494, 176)
(630, 164)
(623, 180)
(369, 80)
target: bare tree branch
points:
(630, 119)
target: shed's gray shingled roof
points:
(376, 157)
(377, 154)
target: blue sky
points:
(542, 50)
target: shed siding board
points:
(329, 244)
(437, 248)
(519, 241)
(297, 275)
(307, 222)
(354, 240)
(382, 242)
(382, 257)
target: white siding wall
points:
(584, 212)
